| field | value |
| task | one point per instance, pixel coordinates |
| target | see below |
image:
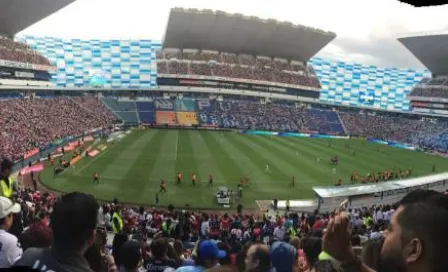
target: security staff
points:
(8, 187)
(117, 222)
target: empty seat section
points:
(164, 105)
(185, 105)
(145, 106)
(187, 118)
(146, 117)
(127, 116)
(116, 105)
(166, 117)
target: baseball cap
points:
(283, 256)
(7, 207)
(208, 249)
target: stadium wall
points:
(99, 63)
(132, 64)
(366, 86)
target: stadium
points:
(227, 112)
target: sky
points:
(366, 30)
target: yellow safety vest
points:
(7, 188)
(120, 223)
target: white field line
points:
(90, 162)
(177, 143)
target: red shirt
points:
(225, 224)
(319, 224)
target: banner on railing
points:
(35, 168)
(393, 144)
(30, 153)
(292, 134)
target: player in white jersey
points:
(334, 171)
(11, 251)
(266, 170)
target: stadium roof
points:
(16, 15)
(430, 50)
(235, 33)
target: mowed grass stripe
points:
(224, 160)
(259, 186)
(125, 162)
(346, 158)
(186, 163)
(245, 166)
(319, 156)
(260, 157)
(163, 160)
(205, 159)
(137, 177)
(303, 167)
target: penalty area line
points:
(177, 143)
(90, 162)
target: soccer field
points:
(132, 168)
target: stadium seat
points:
(166, 118)
(187, 118)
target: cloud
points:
(366, 30)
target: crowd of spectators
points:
(231, 65)
(439, 92)
(31, 123)
(425, 133)
(58, 233)
(20, 52)
(276, 117)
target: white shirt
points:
(376, 235)
(10, 249)
(279, 233)
(107, 219)
(205, 228)
(379, 216)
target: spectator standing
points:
(73, 222)
(10, 250)
(414, 241)
(131, 256)
(257, 259)
(117, 221)
(117, 243)
(7, 187)
(283, 257)
(208, 256)
(279, 233)
(37, 235)
(159, 256)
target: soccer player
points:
(266, 170)
(96, 178)
(334, 171)
(193, 179)
(162, 187)
(210, 181)
(179, 178)
(293, 182)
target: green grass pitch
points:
(132, 168)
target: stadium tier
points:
(132, 64)
(104, 63)
(429, 134)
(35, 123)
(216, 65)
(20, 52)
